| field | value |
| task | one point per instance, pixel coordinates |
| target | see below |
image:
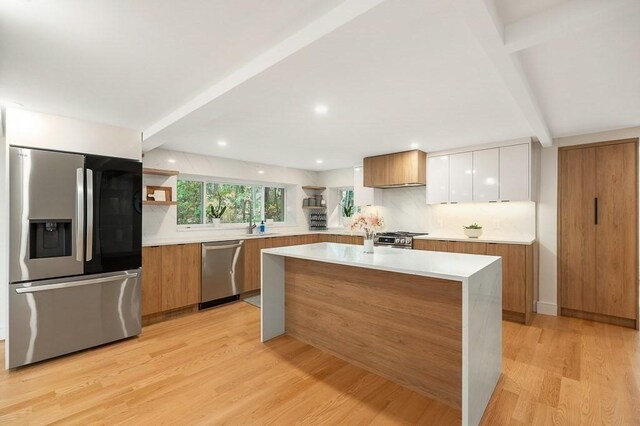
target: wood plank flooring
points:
(210, 368)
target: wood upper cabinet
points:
(407, 168)
(181, 275)
(151, 280)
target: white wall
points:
(37, 130)
(335, 180)
(548, 208)
(160, 222)
(4, 229)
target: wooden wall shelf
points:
(314, 207)
(159, 203)
(314, 188)
(160, 172)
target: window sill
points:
(229, 227)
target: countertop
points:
(227, 236)
(448, 266)
(501, 239)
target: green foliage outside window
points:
(189, 202)
(274, 204)
(268, 202)
(346, 201)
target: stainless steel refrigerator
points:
(75, 253)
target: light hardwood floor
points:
(210, 368)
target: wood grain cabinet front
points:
(151, 280)
(181, 275)
(517, 272)
(170, 277)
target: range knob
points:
(402, 241)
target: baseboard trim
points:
(546, 308)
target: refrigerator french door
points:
(75, 253)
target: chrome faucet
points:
(252, 225)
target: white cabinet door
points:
(461, 177)
(438, 179)
(363, 196)
(486, 175)
(514, 173)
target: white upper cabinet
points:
(486, 175)
(461, 177)
(514, 173)
(438, 179)
(363, 196)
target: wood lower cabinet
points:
(252, 248)
(170, 277)
(431, 245)
(181, 275)
(517, 280)
(151, 280)
(252, 253)
(517, 272)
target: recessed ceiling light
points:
(10, 104)
(321, 109)
(222, 143)
(261, 172)
(357, 169)
(319, 161)
(414, 145)
(171, 160)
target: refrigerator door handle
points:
(79, 214)
(89, 254)
(126, 275)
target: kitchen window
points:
(196, 198)
(347, 208)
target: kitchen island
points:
(430, 321)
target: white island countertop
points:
(449, 266)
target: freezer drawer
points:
(222, 270)
(56, 317)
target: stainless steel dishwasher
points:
(222, 272)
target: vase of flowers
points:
(369, 224)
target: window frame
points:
(355, 209)
(233, 225)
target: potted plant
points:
(347, 212)
(369, 224)
(473, 231)
(214, 214)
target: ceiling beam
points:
(484, 22)
(337, 17)
(571, 16)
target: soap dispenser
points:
(262, 228)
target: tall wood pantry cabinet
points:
(598, 232)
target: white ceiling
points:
(404, 71)
(129, 62)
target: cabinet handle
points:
(596, 209)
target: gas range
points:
(400, 239)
